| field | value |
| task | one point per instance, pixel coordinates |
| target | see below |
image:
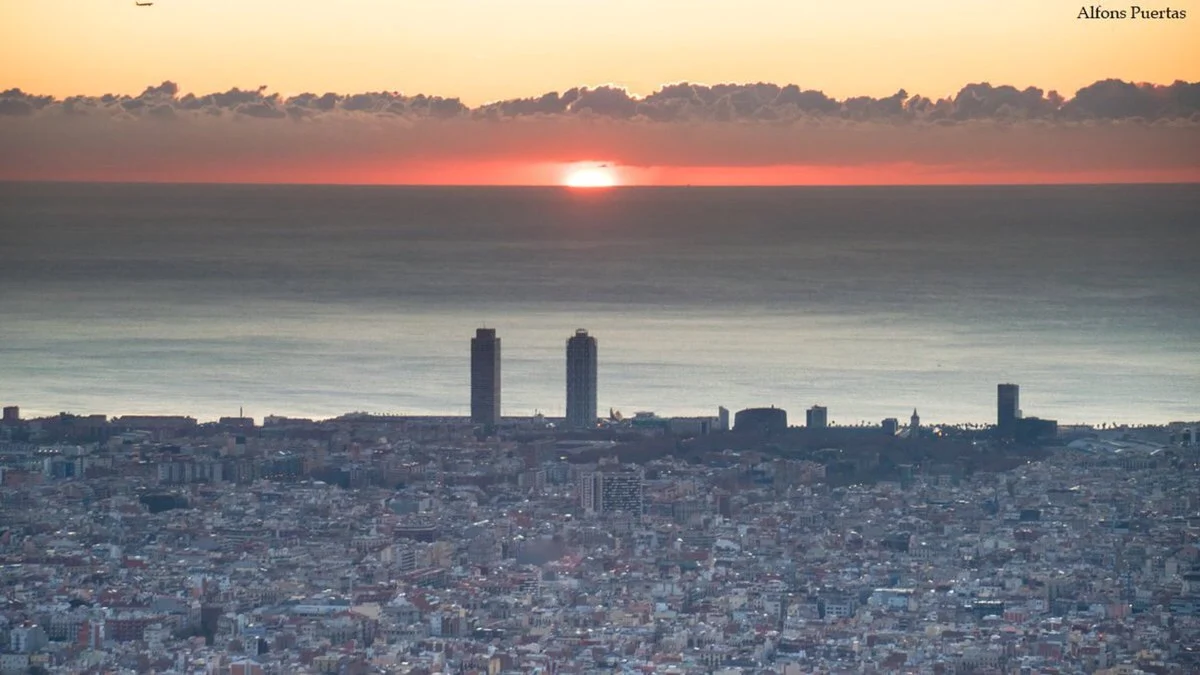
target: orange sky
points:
(483, 50)
(549, 173)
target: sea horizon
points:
(312, 301)
(612, 188)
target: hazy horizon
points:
(317, 300)
(560, 187)
(1110, 131)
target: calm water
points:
(315, 301)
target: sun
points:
(590, 176)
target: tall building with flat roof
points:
(1008, 408)
(485, 377)
(817, 417)
(761, 420)
(609, 490)
(581, 380)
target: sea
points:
(314, 301)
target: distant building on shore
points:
(237, 423)
(1012, 424)
(761, 420)
(891, 426)
(485, 377)
(155, 422)
(581, 380)
(1034, 429)
(817, 417)
(1008, 408)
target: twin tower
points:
(581, 379)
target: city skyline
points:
(244, 247)
(376, 543)
(582, 410)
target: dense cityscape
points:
(597, 542)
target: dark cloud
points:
(77, 106)
(390, 103)
(263, 109)
(161, 111)
(1107, 125)
(17, 102)
(442, 108)
(230, 100)
(546, 104)
(605, 102)
(167, 89)
(983, 101)
(322, 103)
(1105, 100)
(298, 113)
(366, 102)
(867, 108)
(1114, 99)
(806, 100)
(15, 106)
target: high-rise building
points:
(817, 417)
(1008, 408)
(581, 380)
(587, 491)
(612, 490)
(12, 414)
(891, 426)
(914, 425)
(485, 377)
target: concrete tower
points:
(485, 377)
(581, 380)
(1008, 408)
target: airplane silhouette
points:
(142, 4)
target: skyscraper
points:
(1008, 408)
(581, 381)
(485, 377)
